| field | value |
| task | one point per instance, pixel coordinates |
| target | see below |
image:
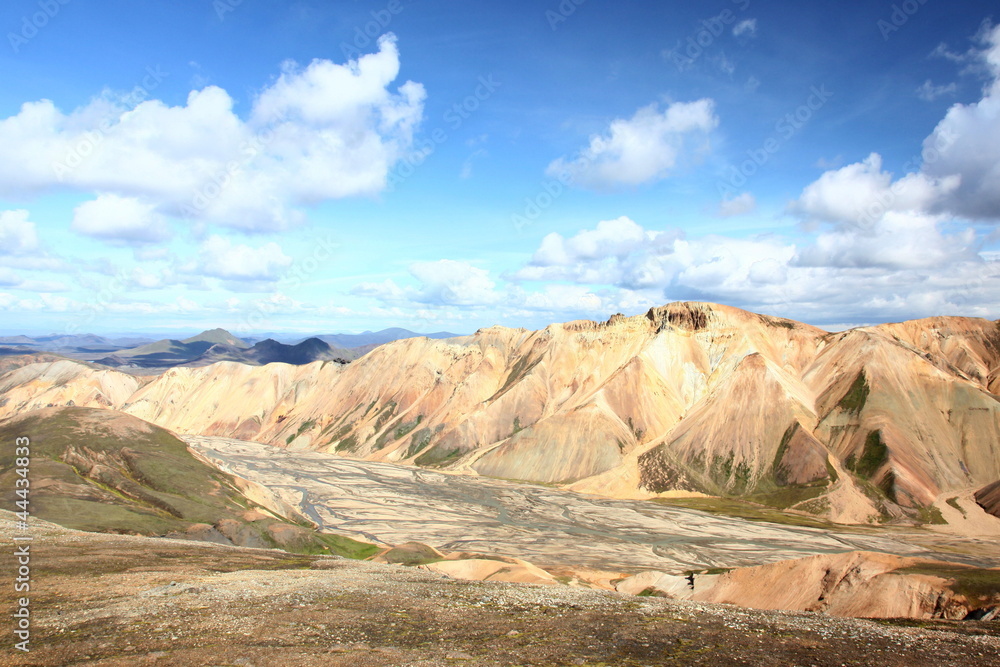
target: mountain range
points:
(206, 348)
(875, 424)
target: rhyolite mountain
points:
(872, 424)
(104, 471)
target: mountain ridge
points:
(873, 424)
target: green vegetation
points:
(980, 586)
(734, 478)
(856, 397)
(788, 496)
(932, 515)
(412, 554)
(954, 503)
(748, 511)
(348, 444)
(874, 455)
(385, 414)
(818, 506)
(652, 593)
(404, 429)
(438, 456)
(521, 368)
(831, 472)
(338, 545)
(778, 470)
(339, 434)
(420, 440)
(104, 471)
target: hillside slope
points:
(877, 423)
(105, 471)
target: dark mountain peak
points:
(216, 336)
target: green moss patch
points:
(856, 397)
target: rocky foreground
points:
(100, 599)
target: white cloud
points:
(120, 219)
(611, 238)
(638, 150)
(966, 143)
(860, 194)
(898, 240)
(740, 205)
(929, 92)
(9, 278)
(443, 282)
(746, 27)
(455, 283)
(321, 132)
(17, 233)
(902, 267)
(911, 225)
(219, 257)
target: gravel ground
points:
(122, 600)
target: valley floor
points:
(391, 504)
(119, 600)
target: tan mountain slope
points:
(690, 397)
(854, 583)
(63, 382)
(898, 420)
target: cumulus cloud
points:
(611, 238)
(889, 229)
(638, 150)
(219, 257)
(662, 263)
(897, 241)
(739, 205)
(901, 268)
(444, 282)
(929, 92)
(17, 233)
(966, 143)
(746, 27)
(444, 285)
(319, 132)
(9, 278)
(120, 219)
(956, 176)
(860, 194)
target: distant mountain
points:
(374, 338)
(166, 352)
(73, 342)
(170, 352)
(271, 351)
(216, 336)
(16, 340)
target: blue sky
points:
(340, 166)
